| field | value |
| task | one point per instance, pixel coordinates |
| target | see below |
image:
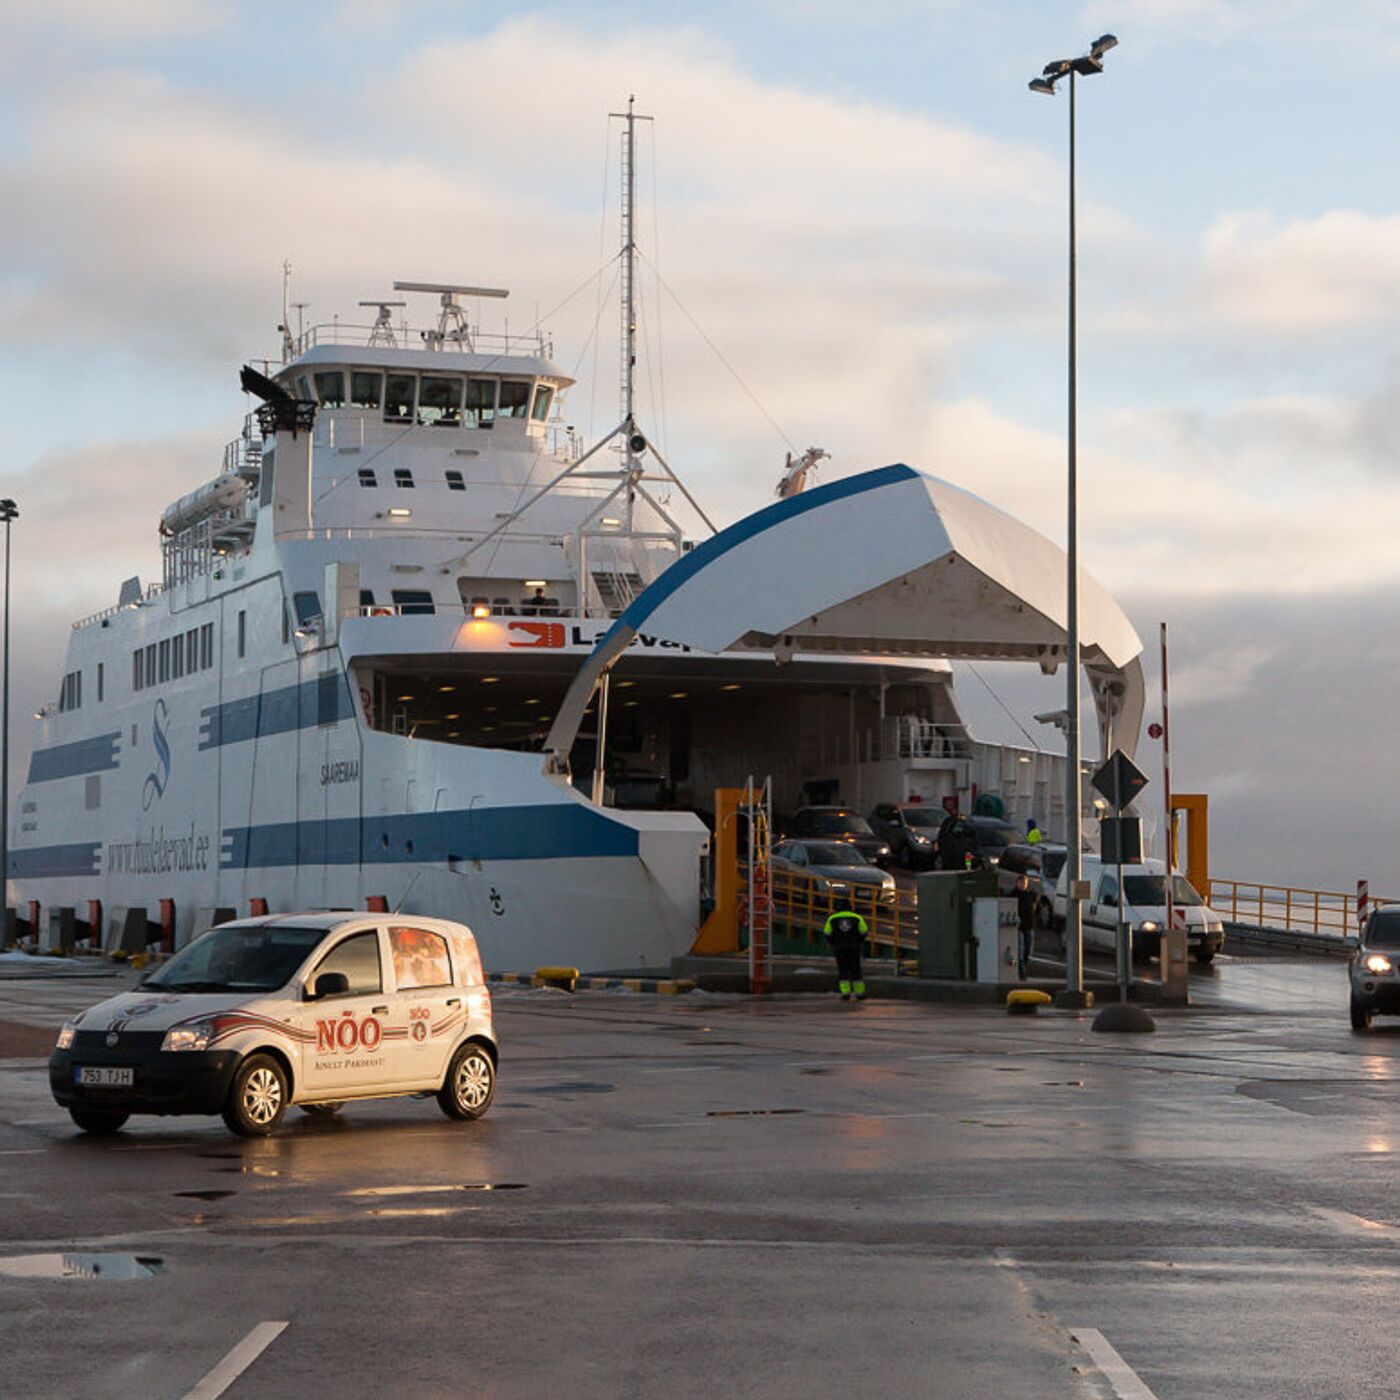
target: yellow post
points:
(1196, 805)
(720, 932)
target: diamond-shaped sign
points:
(1119, 780)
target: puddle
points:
(1063, 1083)
(418, 1212)
(709, 1043)
(250, 1169)
(751, 1112)
(434, 1190)
(206, 1195)
(102, 1267)
(220, 1156)
(572, 1086)
(814, 1071)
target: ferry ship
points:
(342, 687)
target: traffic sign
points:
(1119, 780)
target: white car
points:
(1144, 908)
(304, 1009)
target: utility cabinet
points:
(945, 920)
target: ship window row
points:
(173, 658)
(403, 479)
(70, 693)
(440, 400)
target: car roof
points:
(337, 918)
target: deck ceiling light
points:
(403, 697)
(612, 521)
(622, 684)
(446, 689)
(535, 582)
(453, 716)
(677, 695)
(731, 686)
(400, 512)
(480, 610)
(530, 702)
(489, 680)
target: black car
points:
(836, 868)
(1375, 969)
(991, 836)
(911, 830)
(841, 824)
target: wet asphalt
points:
(711, 1196)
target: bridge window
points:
(330, 388)
(481, 401)
(206, 646)
(403, 478)
(151, 664)
(192, 650)
(308, 606)
(367, 477)
(164, 669)
(413, 600)
(137, 678)
(544, 396)
(398, 398)
(440, 401)
(366, 388)
(515, 398)
(242, 634)
(99, 682)
(70, 696)
(177, 657)
(455, 482)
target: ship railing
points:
(498, 607)
(532, 342)
(916, 737)
(152, 591)
(1290, 908)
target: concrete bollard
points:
(63, 930)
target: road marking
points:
(237, 1361)
(1126, 1383)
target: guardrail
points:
(1289, 907)
(803, 903)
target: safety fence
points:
(1332, 913)
(802, 904)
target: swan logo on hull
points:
(154, 787)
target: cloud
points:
(129, 20)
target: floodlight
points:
(1102, 44)
(1042, 85)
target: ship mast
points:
(629, 301)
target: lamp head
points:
(1042, 85)
(1057, 69)
(1102, 44)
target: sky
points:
(853, 229)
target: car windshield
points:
(923, 816)
(1384, 929)
(833, 853)
(1051, 863)
(246, 958)
(839, 823)
(996, 835)
(1150, 892)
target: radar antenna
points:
(452, 318)
(795, 474)
(382, 333)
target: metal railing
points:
(803, 903)
(1289, 907)
(531, 342)
(152, 590)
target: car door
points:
(427, 1004)
(348, 1055)
(1102, 921)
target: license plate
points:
(105, 1076)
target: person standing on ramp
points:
(846, 932)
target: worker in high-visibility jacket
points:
(846, 931)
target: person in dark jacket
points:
(1025, 923)
(846, 932)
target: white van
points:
(1144, 908)
(304, 1009)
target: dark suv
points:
(911, 831)
(1375, 969)
(840, 824)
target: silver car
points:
(836, 867)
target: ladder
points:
(758, 809)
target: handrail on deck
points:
(1292, 907)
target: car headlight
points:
(1378, 962)
(65, 1036)
(1148, 926)
(192, 1037)
(917, 839)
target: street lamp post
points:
(1085, 66)
(8, 512)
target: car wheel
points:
(257, 1098)
(1360, 1015)
(1205, 956)
(98, 1121)
(470, 1084)
(320, 1110)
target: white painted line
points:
(1125, 1381)
(237, 1361)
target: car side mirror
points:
(329, 984)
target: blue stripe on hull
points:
(94, 755)
(325, 700)
(492, 833)
(79, 858)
